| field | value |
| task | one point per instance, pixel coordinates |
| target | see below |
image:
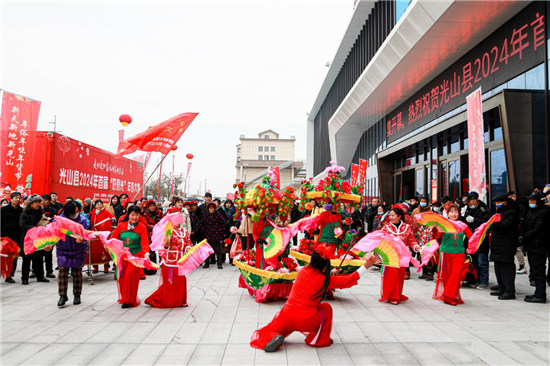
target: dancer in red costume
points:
(304, 310)
(393, 278)
(172, 291)
(134, 236)
(451, 262)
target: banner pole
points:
(150, 176)
(173, 166)
(160, 176)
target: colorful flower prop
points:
(428, 252)
(286, 203)
(69, 227)
(163, 230)
(307, 186)
(480, 234)
(441, 223)
(40, 237)
(392, 251)
(240, 194)
(262, 197)
(233, 230)
(306, 246)
(194, 258)
(9, 250)
(332, 189)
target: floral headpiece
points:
(324, 251)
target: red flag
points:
(161, 137)
(277, 177)
(18, 123)
(354, 174)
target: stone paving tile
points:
(216, 327)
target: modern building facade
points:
(256, 155)
(395, 95)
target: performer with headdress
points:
(451, 261)
(134, 236)
(393, 278)
(304, 310)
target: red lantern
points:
(174, 148)
(189, 156)
(125, 119)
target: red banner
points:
(354, 173)
(186, 178)
(147, 157)
(363, 164)
(73, 168)
(277, 177)
(120, 136)
(18, 123)
(476, 141)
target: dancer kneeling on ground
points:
(304, 310)
(134, 236)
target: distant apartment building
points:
(255, 155)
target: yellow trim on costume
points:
(333, 262)
(343, 196)
(267, 274)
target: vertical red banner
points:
(354, 173)
(18, 122)
(147, 157)
(277, 177)
(476, 153)
(363, 164)
(120, 136)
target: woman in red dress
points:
(134, 236)
(101, 220)
(394, 278)
(172, 291)
(304, 310)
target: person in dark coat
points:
(71, 254)
(56, 206)
(475, 215)
(503, 246)
(32, 216)
(370, 212)
(213, 226)
(201, 210)
(9, 221)
(48, 258)
(534, 238)
(295, 215)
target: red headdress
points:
(324, 251)
(401, 206)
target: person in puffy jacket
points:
(71, 254)
(503, 246)
(534, 237)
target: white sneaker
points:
(521, 270)
(482, 287)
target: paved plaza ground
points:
(216, 327)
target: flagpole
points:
(150, 176)
(160, 176)
(173, 166)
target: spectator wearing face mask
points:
(424, 235)
(519, 251)
(476, 214)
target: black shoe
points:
(10, 280)
(207, 265)
(220, 266)
(125, 306)
(507, 297)
(496, 293)
(274, 343)
(32, 275)
(43, 279)
(529, 297)
(532, 283)
(24, 282)
(212, 261)
(76, 300)
(494, 288)
(62, 300)
(535, 300)
(50, 275)
(429, 278)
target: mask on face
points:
(532, 205)
(379, 214)
(423, 204)
(472, 207)
(73, 216)
(499, 205)
(97, 211)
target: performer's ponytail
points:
(324, 266)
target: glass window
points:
(497, 129)
(420, 183)
(517, 82)
(465, 139)
(455, 143)
(486, 132)
(266, 149)
(534, 78)
(260, 148)
(260, 157)
(266, 137)
(410, 157)
(272, 157)
(266, 157)
(499, 173)
(421, 154)
(272, 148)
(454, 179)
(238, 149)
(238, 158)
(398, 188)
(443, 143)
